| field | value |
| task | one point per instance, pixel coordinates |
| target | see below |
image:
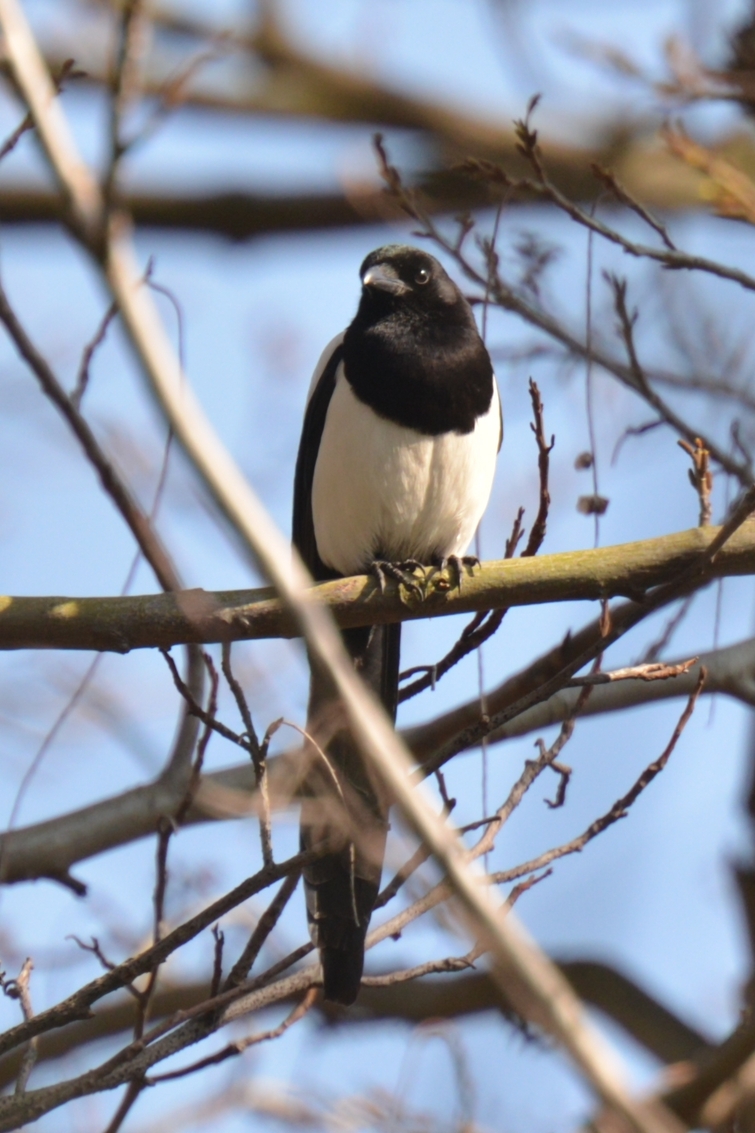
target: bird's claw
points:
(402, 574)
(455, 565)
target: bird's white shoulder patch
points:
(323, 362)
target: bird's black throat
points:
(427, 370)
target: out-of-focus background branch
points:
(268, 75)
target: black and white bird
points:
(396, 461)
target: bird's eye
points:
(422, 276)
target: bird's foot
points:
(402, 573)
(455, 565)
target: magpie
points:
(396, 460)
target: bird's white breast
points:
(382, 489)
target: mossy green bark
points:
(121, 624)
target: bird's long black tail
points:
(342, 886)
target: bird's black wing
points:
(303, 528)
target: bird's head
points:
(397, 276)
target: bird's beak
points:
(383, 277)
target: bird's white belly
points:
(382, 489)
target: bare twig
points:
(618, 810)
(525, 886)
(19, 989)
(620, 192)
(479, 630)
(700, 477)
(66, 71)
(240, 1045)
(108, 965)
(652, 671)
(516, 536)
(242, 705)
(537, 533)
(634, 431)
(418, 858)
(124, 87)
(196, 770)
(133, 1091)
(161, 881)
(431, 967)
(168, 827)
(532, 769)
(194, 708)
(217, 963)
(448, 802)
(82, 379)
(626, 322)
(564, 773)
(620, 807)
(657, 647)
(671, 258)
(258, 756)
(69, 707)
(77, 1005)
(265, 925)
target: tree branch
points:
(77, 1006)
(622, 999)
(730, 671)
(292, 82)
(41, 849)
(162, 620)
